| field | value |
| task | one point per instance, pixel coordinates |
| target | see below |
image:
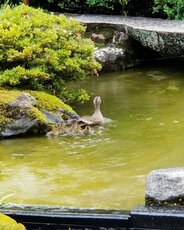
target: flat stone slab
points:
(166, 37)
(142, 23)
(165, 187)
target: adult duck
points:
(97, 117)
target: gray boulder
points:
(118, 53)
(24, 100)
(113, 59)
(109, 57)
(23, 116)
(17, 127)
(52, 118)
(165, 187)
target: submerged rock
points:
(117, 52)
(33, 113)
(165, 187)
(109, 57)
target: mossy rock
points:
(49, 102)
(28, 112)
(7, 223)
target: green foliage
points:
(137, 7)
(40, 51)
(65, 5)
(124, 4)
(104, 4)
(174, 9)
(79, 6)
(125, 7)
(5, 3)
(71, 95)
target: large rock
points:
(17, 127)
(167, 44)
(25, 114)
(113, 59)
(166, 37)
(165, 187)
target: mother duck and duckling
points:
(81, 125)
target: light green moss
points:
(8, 95)
(49, 102)
(5, 98)
(36, 114)
(3, 119)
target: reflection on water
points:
(107, 169)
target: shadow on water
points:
(107, 169)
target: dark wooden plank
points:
(59, 218)
(66, 218)
(167, 218)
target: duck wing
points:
(85, 121)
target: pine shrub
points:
(40, 51)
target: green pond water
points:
(107, 169)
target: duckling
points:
(74, 129)
(53, 133)
(86, 131)
(97, 117)
(58, 130)
(62, 128)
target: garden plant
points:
(41, 51)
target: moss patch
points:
(34, 113)
(8, 95)
(3, 119)
(48, 102)
(44, 100)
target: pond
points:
(107, 169)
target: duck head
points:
(97, 101)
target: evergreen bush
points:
(41, 51)
(76, 6)
(173, 9)
(137, 7)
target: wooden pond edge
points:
(51, 217)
